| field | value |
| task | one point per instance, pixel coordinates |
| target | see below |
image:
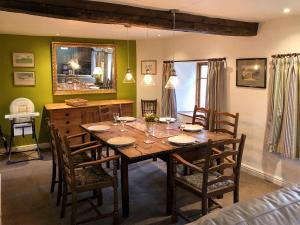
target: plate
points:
(121, 141)
(192, 127)
(182, 140)
(163, 120)
(99, 128)
(127, 118)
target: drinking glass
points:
(168, 120)
(123, 123)
(116, 118)
(182, 126)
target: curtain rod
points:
(195, 60)
(285, 55)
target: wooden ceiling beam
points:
(108, 13)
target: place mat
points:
(159, 132)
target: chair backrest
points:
(21, 105)
(201, 116)
(228, 158)
(106, 112)
(64, 151)
(53, 147)
(225, 122)
(149, 106)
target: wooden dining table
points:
(139, 151)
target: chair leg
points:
(107, 154)
(64, 200)
(99, 197)
(116, 205)
(236, 195)
(59, 189)
(53, 179)
(204, 206)
(174, 216)
(74, 208)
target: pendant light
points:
(173, 80)
(148, 78)
(128, 79)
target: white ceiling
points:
(246, 10)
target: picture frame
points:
(24, 78)
(251, 72)
(23, 59)
(149, 64)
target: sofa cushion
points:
(277, 208)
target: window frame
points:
(198, 81)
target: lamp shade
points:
(173, 80)
(98, 71)
(128, 77)
(148, 79)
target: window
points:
(192, 81)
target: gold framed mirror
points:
(83, 68)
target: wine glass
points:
(116, 118)
(123, 123)
(168, 120)
(182, 126)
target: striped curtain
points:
(216, 84)
(282, 128)
(169, 104)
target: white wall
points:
(274, 37)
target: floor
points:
(26, 199)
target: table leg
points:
(169, 204)
(124, 184)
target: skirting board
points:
(28, 147)
(266, 176)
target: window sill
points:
(186, 113)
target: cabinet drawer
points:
(66, 114)
(69, 130)
(126, 110)
(66, 122)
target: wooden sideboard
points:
(68, 119)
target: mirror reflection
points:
(83, 68)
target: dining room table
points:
(143, 149)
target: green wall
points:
(42, 92)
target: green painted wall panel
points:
(42, 92)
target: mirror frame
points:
(76, 92)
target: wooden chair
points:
(225, 122)
(106, 114)
(57, 170)
(149, 106)
(207, 180)
(86, 176)
(201, 116)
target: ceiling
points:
(245, 10)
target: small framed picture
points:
(24, 78)
(251, 72)
(23, 59)
(150, 65)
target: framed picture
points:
(251, 72)
(24, 78)
(148, 64)
(23, 59)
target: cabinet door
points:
(126, 110)
(90, 115)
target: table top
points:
(161, 145)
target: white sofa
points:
(277, 208)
